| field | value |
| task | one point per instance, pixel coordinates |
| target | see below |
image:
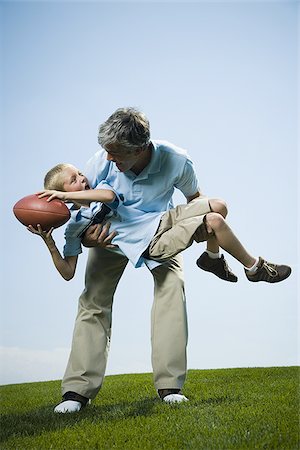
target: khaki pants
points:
(178, 228)
(87, 363)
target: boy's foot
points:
(172, 396)
(72, 402)
(217, 266)
(271, 273)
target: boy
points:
(67, 178)
(199, 220)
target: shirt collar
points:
(154, 164)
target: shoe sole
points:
(272, 281)
(210, 271)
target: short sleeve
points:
(188, 182)
(97, 168)
(72, 246)
(119, 198)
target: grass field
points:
(228, 409)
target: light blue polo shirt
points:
(145, 196)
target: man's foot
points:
(217, 266)
(172, 396)
(68, 406)
(72, 402)
(271, 273)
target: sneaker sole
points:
(210, 271)
(272, 281)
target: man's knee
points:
(218, 206)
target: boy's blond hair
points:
(53, 178)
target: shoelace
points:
(226, 267)
(270, 268)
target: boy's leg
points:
(227, 239)
(179, 227)
(258, 268)
(219, 206)
(169, 330)
(87, 363)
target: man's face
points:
(74, 180)
(123, 159)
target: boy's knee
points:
(218, 206)
(214, 221)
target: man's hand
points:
(99, 236)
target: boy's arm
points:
(87, 196)
(65, 266)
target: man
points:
(144, 173)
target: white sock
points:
(213, 255)
(253, 268)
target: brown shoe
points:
(271, 273)
(218, 267)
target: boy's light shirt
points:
(146, 196)
(80, 220)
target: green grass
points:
(228, 409)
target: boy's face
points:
(74, 180)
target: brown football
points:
(32, 210)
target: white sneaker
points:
(68, 406)
(175, 398)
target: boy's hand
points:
(99, 236)
(52, 194)
(45, 235)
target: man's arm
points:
(196, 195)
(191, 197)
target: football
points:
(32, 210)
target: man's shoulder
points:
(169, 149)
(99, 156)
(97, 167)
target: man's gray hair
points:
(127, 127)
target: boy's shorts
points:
(178, 228)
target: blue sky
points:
(216, 78)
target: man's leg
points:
(87, 363)
(169, 330)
